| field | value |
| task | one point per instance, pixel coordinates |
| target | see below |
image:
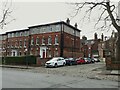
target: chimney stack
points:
(102, 37)
(76, 25)
(95, 36)
(68, 21)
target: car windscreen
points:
(53, 59)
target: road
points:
(12, 78)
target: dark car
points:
(70, 61)
(89, 60)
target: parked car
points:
(71, 61)
(55, 62)
(93, 61)
(86, 60)
(96, 59)
(80, 61)
(89, 60)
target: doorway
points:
(43, 52)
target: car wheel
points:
(64, 64)
(56, 65)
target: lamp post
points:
(26, 58)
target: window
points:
(12, 34)
(49, 54)
(25, 33)
(32, 41)
(49, 40)
(50, 29)
(43, 40)
(21, 33)
(8, 35)
(20, 43)
(43, 30)
(25, 42)
(73, 32)
(37, 41)
(18, 34)
(56, 40)
(55, 53)
(57, 28)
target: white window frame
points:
(56, 40)
(37, 41)
(49, 40)
(43, 40)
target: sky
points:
(29, 13)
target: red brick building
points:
(90, 47)
(46, 40)
(55, 39)
(17, 42)
(3, 38)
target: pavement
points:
(17, 66)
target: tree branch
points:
(6, 14)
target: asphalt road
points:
(12, 78)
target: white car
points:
(55, 62)
(96, 60)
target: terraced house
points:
(46, 40)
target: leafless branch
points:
(6, 15)
(100, 17)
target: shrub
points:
(21, 60)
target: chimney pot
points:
(68, 21)
(76, 25)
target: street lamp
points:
(26, 58)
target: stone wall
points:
(112, 64)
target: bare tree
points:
(5, 15)
(106, 7)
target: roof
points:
(55, 23)
(17, 31)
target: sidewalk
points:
(17, 66)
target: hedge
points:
(21, 60)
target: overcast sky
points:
(35, 13)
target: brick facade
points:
(90, 47)
(45, 41)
